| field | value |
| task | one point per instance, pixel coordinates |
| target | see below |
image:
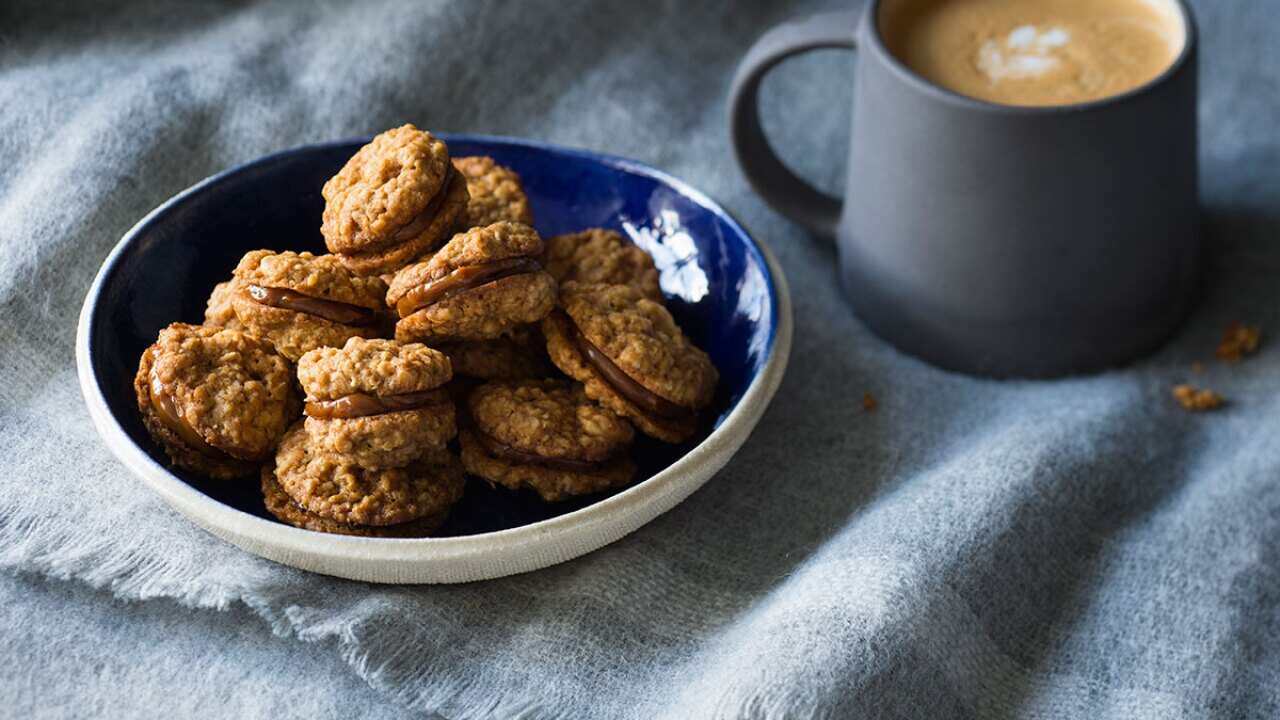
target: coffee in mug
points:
(1003, 238)
(1034, 52)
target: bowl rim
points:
(662, 491)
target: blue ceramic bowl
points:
(723, 288)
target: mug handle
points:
(781, 188)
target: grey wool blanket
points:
(974, 549)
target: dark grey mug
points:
(992, 239)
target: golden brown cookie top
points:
(322, 483)
(383, 187)
(477, 246)
(449, 212)
(598, 255)
(496, 192)
(552, 482)
(279, 504)
(220, 309)
(483, 312)
(642, 339)
(231, 388)
(317, 276)
(649, 413)
(375, 367)
(548, 418)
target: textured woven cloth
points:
(1074, 548)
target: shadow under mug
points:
(992, 239)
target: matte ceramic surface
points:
(724, 289)
(1008, 241)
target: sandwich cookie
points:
(605, 256)
(496, 193)
(395, 200)
(216, 400)
(279, 504)
(631, 357)
(220, 309)
(376, 403)
(479, 285)
(326, 485)
(301, 301)
(545, 435)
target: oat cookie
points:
(479, 285)
(518, 354)
(397, 198)
(598, 255)
(216, 400)
(496, 192)
(447, 220)
(279, 504)
(377, 403)
(631, 357)
(545, 435)
(301, 301)
(220, 311)
(323, 484)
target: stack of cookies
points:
(442, 334)
(370, 458)
(395, 200)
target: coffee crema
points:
(1034, 52)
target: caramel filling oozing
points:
(361, 404)
(503, 451)
(626, 386)
(331, 310)
(467, 277)
(419, 223)
(167, 410)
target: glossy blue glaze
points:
(717, 281)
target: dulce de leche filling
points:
(462, 279)
(331, 310)
(419, 223)
(167, 410)
(502, 451)
(361, 404)
(624, 384)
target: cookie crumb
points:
(1197, 399)
(869, 402)
(1197, 367)
(1238, 340)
